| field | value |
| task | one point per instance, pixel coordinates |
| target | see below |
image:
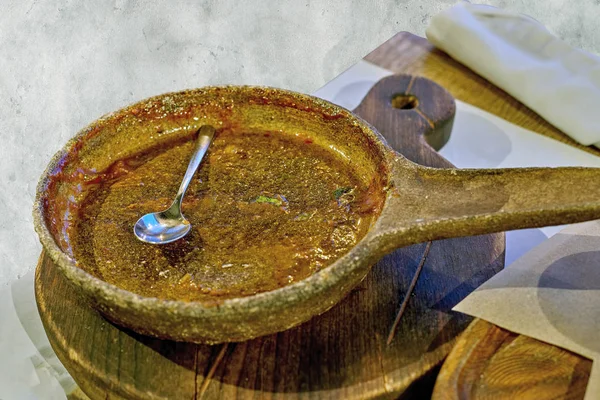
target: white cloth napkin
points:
(518, 54)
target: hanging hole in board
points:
(405, 101)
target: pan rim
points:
(364, 253)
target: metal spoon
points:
(170, 225)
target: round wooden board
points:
(489, 362)
(342, 354)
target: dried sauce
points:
(267, 209)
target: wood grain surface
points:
(490, 362)
(359, 349)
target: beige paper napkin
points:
(518, 54)
(551, 294)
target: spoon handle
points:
(205, 136)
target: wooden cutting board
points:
(340, 354)
(345, 353)
(488, 361)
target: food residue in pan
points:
(267, 209)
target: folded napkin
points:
(518, 54)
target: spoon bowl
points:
(161, 227)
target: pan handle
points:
(431, 200)
(440, 203)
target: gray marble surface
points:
(65, 63)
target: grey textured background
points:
(63, 64)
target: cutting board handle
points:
(410, 111)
